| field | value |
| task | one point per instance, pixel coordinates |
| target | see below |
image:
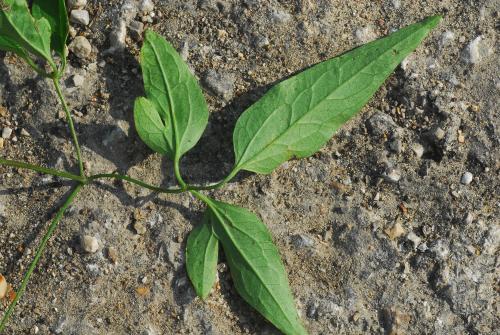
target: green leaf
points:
(150, 126)
(17, 24)
(6, 44)
(55, 13)
(256, 268)
(201, 257)
(176, 96)
(299, 115)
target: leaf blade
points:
(202, 251)
(299, 115)
(150, 127)
(258, 273)
(17, 24)
(171, 87)
(56, 15)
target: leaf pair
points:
(294, 119)
(38, 32)
(256, 268)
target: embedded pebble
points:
(418, 149)
(76, 4)
(439, 133)
(396, 145)
(220, 84)
(80, 16)
(146, 6)
(3, 287)
(396, 231)
(25, 133)
(380, 124)
(301, 241)
(414, 239)
(81, 47)
(392, 175)
(140, 228)
(78, 80)
(446, 38)
(117, 37)
(113, 255)
(477, 51)
(2, 143)
(467, 178)
(365, 34)
(6, 132)
(90, 244)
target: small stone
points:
(396, 146)
(81, 47)
(4, 287)
(280, 16)
(446, 38)
(439, 133)
(136, 30)
(90, 244)
(25, 133)
(414, 239)
(392, 175)
(78, 80)
(220, 84)
(76, 4)
(3, 111)
(80, 16)
(113, 255)
(468, 218)
(6, 132)
(380, 124)
(467, 178)
(301, 241)
(396, 231)
(118, 36)
(418, 149)
(146, 6)
(140, 228)
(365, 34)
(35, 329)
(261, 41)
(1, 143)
(477, 51)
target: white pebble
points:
(80, 16)
(81, 47)
(6, 132)
(414, 239)
(90, 244)
(146, 6)
(477, 51)
(3, 287)
(418, 149)
(466, 178)
(393, 175)
(78, 80)
(76, 4)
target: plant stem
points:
(177, 173)
(39, 252)
(71, 126)
(41, 169)
(212, 186)
(134, 181)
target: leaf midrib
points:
(241, 165)
(214, 208)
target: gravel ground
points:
(391, 229)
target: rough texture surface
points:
(377, 231)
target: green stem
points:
(39, 252)
(177, 173)
(71, 126)
(134, 181)
(53, 172)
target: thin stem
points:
(39, 252)
(71, 126)
(177, 173)
(41, 169)
(212, 186)
(134, 181)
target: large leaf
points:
(202, 251)
(55, 12)
(17, 24)
(256, 268)
(299, 115)
(175, 97)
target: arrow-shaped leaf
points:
(55, 12)
(256, 268)
(202, 251)
(176, 96)
(17, 24)
(299, 115)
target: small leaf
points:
(151, 128)
(176, 95)
(55, 13)
(299, 115)
(17, 24)
(201, 257)
(256, 268)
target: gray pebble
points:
(146, 6)
(78, 80)
(76, 4)
(466, 178)
(90, 244)
(220, 84)
(6, 132)
(81, 47)
(380, 123)
(418, 149)
(477, 50)
(80, 16)
(136, 29)
(392, 175)
(301, 241)
(396, 146)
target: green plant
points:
(294, 119)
